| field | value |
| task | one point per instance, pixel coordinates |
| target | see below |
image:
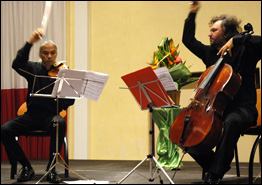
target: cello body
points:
(198, 128)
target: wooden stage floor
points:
(111, 172)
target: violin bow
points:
(45, 19)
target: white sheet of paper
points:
(165, 78)
(95, 85)
(86, 182)
(81, 83)
(45, 19)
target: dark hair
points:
(230, 25)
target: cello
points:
(198, 127)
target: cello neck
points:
(212, 74)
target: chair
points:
(40, 133)
(255, 130)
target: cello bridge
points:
(196, 102)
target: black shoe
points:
(26, 174)
(211, 179)
(53, 178)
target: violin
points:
(54, 69)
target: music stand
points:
(70, 84)
(149, 93)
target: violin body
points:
(199, 126)
(53, 71)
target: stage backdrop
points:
(123, 37)
(18, 20)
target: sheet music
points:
(79, 83)
(165, 78)
(95, 84)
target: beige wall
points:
(122, 38)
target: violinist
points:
(41, 112)
(241, 112)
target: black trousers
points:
(31, 122)
(218, 162)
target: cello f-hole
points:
(186, 121)
(207, 109)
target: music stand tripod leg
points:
(164, 172)
(51, 167)
(59, 80)
(151, 134)
(56, 155)
(152, 178)
(132, 170)
(151, 157)
(68, 168)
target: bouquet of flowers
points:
(168, 56)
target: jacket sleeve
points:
(189, 40)
(21, 60)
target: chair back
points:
(23, 108)
(259, 106)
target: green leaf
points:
(180, 72)
(161, 45)
(159, 55)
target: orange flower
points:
(167, 55)
(178, 60)
(173, 51)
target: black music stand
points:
(70, 84)
(148, 91)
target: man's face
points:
(216, 35)
(48, 55)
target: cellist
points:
(241, 112)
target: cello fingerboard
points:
(211, 75)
